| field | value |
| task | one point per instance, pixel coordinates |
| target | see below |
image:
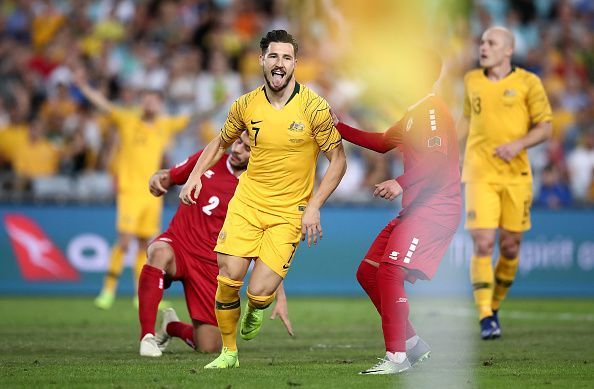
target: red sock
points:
(183, 331)
(390, 280)
(410, 330)
(150, 293)
(367, 277)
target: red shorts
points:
(199, 277)
(412, 242)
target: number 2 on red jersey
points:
(213, 202)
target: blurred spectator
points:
(580, 163)
(216, 89)
(36, 156)
(12, 135)
(152, 74)
(83, 134)
(47, 20)
(554, 193)
(59, 106)
(185, 66)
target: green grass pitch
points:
(65, 342)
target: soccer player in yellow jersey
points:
(506, 111)
(144, 136)
(273, 206)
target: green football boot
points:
(104, 300)
(251, 322)
(226, 360)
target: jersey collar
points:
(513, 69)
(415, 105)
(295, 91)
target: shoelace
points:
(162, 338)
(224, 358)
(381, 362)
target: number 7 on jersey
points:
(256, 130)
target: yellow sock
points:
(140, 262)
(260, 302)
(481, 276)
(505, 273)
(227, 310)
(116, 264)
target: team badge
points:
(509, 93)
(297, 126)
(222, 236)
(471, 215)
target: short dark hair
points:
(278, 36)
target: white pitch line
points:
(524, 315)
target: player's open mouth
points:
(277, 75)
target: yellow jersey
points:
(501, 112)
(13, 138)
(37, 159)
(284, 148)
(141, 148)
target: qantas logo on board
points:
(38, 257)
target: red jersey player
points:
(184, 252)
(411, 246)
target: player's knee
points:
(208, 349)
(510, 248)
(159, 257)
(209, 346)
(229, 270)
(259, 301)
(124, 241)
(124, 245)
(483, 246)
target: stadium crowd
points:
(201, 55)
